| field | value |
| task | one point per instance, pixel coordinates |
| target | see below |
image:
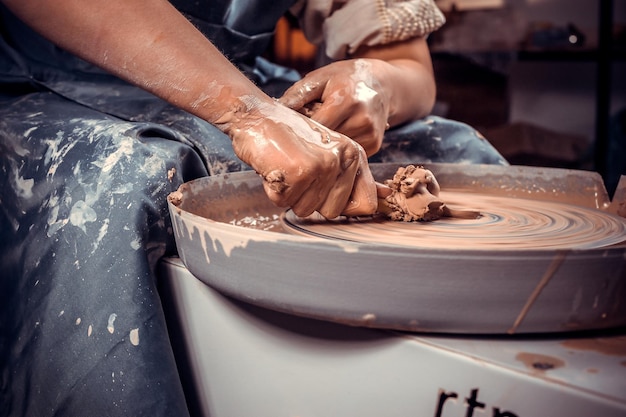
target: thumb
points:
(300, 94)
(363, 200)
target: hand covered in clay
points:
(346, 96)
(304, 165)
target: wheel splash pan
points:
(228, 236)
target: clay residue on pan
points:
(615, 346)
(415, 196)
(539, 363)
(175, 197)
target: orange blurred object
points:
(291, 48)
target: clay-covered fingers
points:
(343, 183)
(312, 197)
(304, 95)
(369, 132)
(364, 127)
(303, 164)
(363, 198)
(339, 195)
(321, 95)
(382, 190)
(279, 186)
(364, 122)
(345, 97)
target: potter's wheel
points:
(516, 269)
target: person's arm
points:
(147, 43)
(377, 87)
(409, 79)
(150, 44)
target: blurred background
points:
(543, 80)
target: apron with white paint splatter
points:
(86, 163)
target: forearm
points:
(408, 80)
(149, 44)
(304, 165)
(413, 92)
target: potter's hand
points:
(346, 96)
(304, 165)
(384, 85)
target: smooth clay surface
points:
(466, 219)
(504, 223)
(475, 217)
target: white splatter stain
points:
(53, 203)
(125, 148)
(157, 189)
(81, 214)
(136, 243)
(134, 337)
(89, 330)
(101, 234)
(78, 321)
(27, 133)
(153, 165)
(61, 313)
(24, 187)
(122, 189)
(110, 325)
(77, 172)
(53, 224)
(54, 155)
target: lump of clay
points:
(415, 196)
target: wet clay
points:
(415, 197)
(505, 223)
